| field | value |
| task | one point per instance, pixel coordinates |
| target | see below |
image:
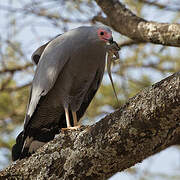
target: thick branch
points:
(128, 43)
(136, 28)
(146, 124)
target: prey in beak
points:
(113, 54)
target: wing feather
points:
(51, 62)
(38, 52)
(91, 92)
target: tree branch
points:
(17, 68)
(125, 22)
(145, 125)
(128, 43)
(14, 89)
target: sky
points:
(167, 161)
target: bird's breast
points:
(77, 75)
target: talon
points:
(71, 128)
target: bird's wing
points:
(91, 92)
(52, 61)
(37, 53)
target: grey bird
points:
(69, 71)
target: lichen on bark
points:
(146, 124)
(127, 23)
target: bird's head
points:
(100, 33)
(105, 34)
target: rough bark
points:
(125, 22)
(145, 125)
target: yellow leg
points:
(76, 126)
(74, 118)
(68, 123)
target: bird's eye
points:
(101, 33)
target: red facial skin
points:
(104, 37)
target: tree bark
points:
(145, 125)
(125, 22)
(148, 123)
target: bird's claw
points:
(71, 128)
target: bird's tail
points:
(17, 148)
(24, 148)
(28, 143)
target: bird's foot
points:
(71, 128)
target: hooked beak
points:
(113, 44)
(110, 40)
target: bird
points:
(69, 72)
